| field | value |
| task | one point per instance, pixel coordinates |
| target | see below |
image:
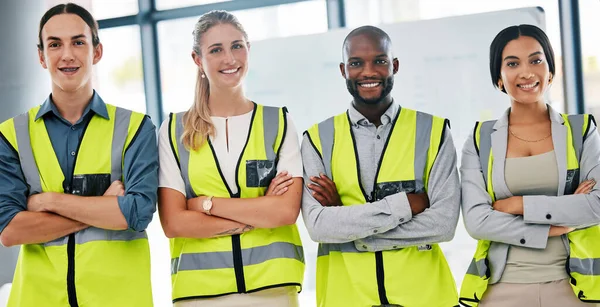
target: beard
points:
(387, 84)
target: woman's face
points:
(224, 56)
(524, 73)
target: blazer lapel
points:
(499, 145)
(559, 139)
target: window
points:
(118, 77)
(590, 46)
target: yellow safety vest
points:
(409, 277)
(583, 263)
(92, 267)
(250, 262)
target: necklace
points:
(529, 141)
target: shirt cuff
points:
(535, 237)
(535, 210)
(399, 207)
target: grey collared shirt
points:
(386, 224)
(140, 170)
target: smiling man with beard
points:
(382, 190)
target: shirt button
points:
(72, 153)
(364, 246)
(548, 216)
(375, 231)
(378, 137)
(401, 220)
(522, 241)
(73, 128)
(394, 246)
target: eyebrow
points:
(54, 38)
(220, 44)
(516, 58)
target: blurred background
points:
(147, 67)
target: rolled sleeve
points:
(140, 174)
(13, 188)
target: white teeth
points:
(532, 85)
(369, 84)
(69, 69)
(230, 71)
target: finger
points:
(322, 191)
(320, 198)
(330, 184)
(279, 179)
(281, 191)
(323, 183)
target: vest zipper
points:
(238, 265)
(71, 271)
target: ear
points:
(396, 65)
(98, 51)
(197, 59)
(500, 84)
(343, 70)
(42, 58)
(551, 76)
(248, 45)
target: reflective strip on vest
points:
(223, 260)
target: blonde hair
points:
(197, 126)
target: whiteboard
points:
(444, 70)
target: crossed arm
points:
(47, 216)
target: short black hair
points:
(371, 31)
(70, 8)
(512, 33)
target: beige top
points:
(534, 175)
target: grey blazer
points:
(531, 229)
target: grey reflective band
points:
(28, 164)
(224, 260)
(270, 129)
(576, 122)
(326, 248)
(96, 234)
(478, 268)
(586, 266)
(422, 141)
(122, 118)
(485, 146)
(326, 135)
(184, 155)
(174, 265)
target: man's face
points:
(368, 68)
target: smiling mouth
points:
(369, 85)
(69, 69)
(528, 86)
(230, 71)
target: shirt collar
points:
(97, 105)
(356, 118)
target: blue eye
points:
(215, 50)
(237, 46)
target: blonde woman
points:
(230, 184)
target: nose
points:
(229, 57)
(368, 71)
(67, 54)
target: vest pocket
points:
(259, 173)
(90, 184)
